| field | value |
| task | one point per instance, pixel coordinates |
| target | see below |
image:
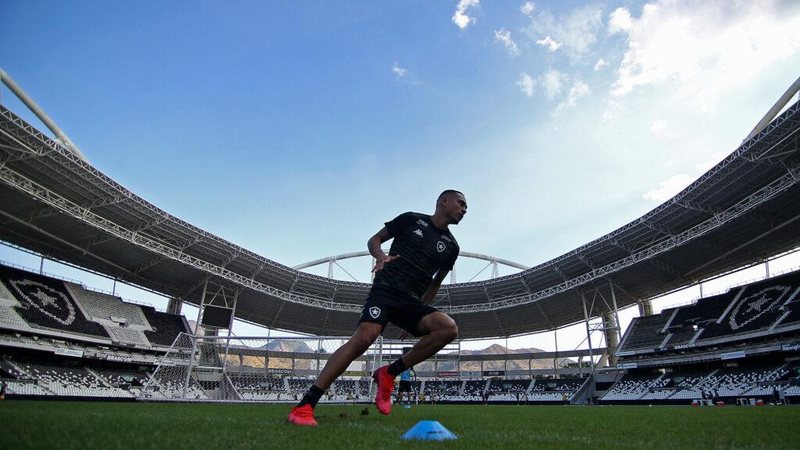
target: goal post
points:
(274, 369)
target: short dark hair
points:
(447, 192)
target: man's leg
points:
(438, 329)
(364, 336)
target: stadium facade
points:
(742, 211)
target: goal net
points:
(279, 369)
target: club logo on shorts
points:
(440, 246)
(374, 312)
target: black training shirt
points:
(423, 250)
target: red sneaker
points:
(302, 415)
(385, 382)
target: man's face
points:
(455, 207)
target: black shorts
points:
(386, 305)
(404, 386)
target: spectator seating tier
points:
(45, 302)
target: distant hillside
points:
(500, 363)
(278, 345)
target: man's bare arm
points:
(433, 288)
(374, 247)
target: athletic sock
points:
(312, 396)
(397, 367)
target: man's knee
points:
(450, 330)
(444, 327)
(365, 336)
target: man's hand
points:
(380, 262)
(403, 335)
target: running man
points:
(406, 282)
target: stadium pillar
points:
(555, 358)
(645, 308)
(266, 356)
(230, 329)
(611, 331)
(505, 368)
(194, 342)
(174, 306)
(588, 331)
(459, 360)
(200, 307)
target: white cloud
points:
(668, 188)
(504, 36)
(576, 31)
(552, 80)
(578, 90)
(659, 127)
(527, 8)
(703, 49)
(400, 72)
(600, 64)
(526, 84)
(549, 43)
(619, 21)
(460, 17)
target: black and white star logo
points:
(46, 300)
(374, 312)
(754, 306)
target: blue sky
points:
(296, 129)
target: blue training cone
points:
(429, 430)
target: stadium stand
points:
(166, 327)
(138, 335)
(128, 379)
(507, 390)
(8, 316)
(68, 381)
(10, 319)
(717, 383)
(443, 388)
(660, 389)
(732, 382)
(646, 332)
(757, 309)
(44, 302)
(170, 386)
(298, 385)
(474, 389)
(758, 306)
(104, 307)
(124, 322)
(632, 387)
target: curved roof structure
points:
(743, 210)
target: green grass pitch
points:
(99, 425)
